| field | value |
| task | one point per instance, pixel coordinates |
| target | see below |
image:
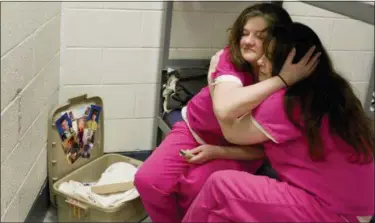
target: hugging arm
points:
(231, 100)
(205, 153)
(233, 103)
(268, 122)
(245, 135)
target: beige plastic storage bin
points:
(75, 209)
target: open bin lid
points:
(75, 136)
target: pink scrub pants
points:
(235, 196)
(168, 184)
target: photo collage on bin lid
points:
(77, 129)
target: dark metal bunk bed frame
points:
(356, 10)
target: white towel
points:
(116, 173)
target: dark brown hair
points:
(323, 94)
(273, 15)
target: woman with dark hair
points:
(167, 183)
(316, 137)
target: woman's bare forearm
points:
(237, 130)
(240, 152)
(232, 103)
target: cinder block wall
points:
(30, 73)
(113, 50)
(199, 29)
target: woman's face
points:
(264, 64)
(251, 42)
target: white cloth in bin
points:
(116, 173)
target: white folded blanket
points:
(116, 173)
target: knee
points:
(222, 179)
(215, 185)
(218, 177)
(148, 181)
(144, 178)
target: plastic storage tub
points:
(62, 168)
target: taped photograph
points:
(64, 127)
(93, 118)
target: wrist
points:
(219, 152)
(281, 82)
(289, 81)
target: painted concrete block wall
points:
(114, 50)
(30, 69)
(199, 30)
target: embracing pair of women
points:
(273, 94)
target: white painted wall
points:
(113, 50)
(30, 69)
(199, 29)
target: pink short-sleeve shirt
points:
(200, 113)
(340, 185)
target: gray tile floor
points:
(51, 216)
